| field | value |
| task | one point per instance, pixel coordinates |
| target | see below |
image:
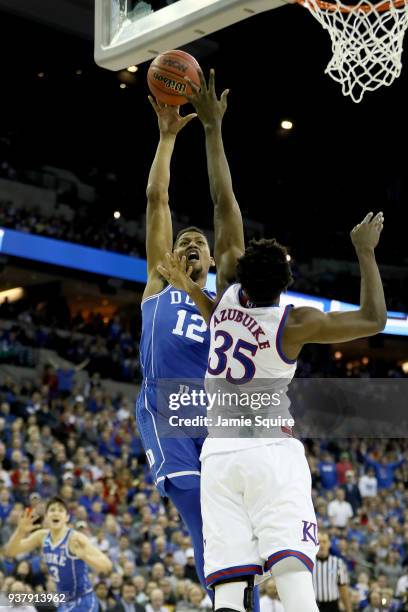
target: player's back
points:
(246, 361)
(69, 573)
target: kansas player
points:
(68, 554)
(175, 341)
(256, 491)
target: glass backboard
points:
(130, 32)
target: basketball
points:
(166, 74)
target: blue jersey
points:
(174, 353)
(69, 573)
(175, 340)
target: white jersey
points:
(246, 356)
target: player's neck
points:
(58, 534)
(201, 281)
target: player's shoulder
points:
(303, 314)
(41, 535)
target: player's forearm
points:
(99, 562)
(219, 173)
(204, 304)
(159, 176)
(372, 300)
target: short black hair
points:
(56, 500)
(191, 228)
(264, 271)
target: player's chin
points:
(197, 269)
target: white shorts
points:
(257, 509)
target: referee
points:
(330, 579)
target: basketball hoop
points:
(367, 42)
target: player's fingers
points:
(190, 270)
(189, 117)
(193, 86)
(153, 103)
(224, 96)
(203, 83)
(163, 271)
(367, 218)
(211, 82)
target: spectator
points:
(368, 484)
(339, 510)
(127, 602)
(384, 470)
(352, 492)
(156, 601)
(327, 472)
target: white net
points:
(367, 42)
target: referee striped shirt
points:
(328, 574)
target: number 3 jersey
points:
(173, 353)
(248, 375)
(70, 574)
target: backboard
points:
(129, 32)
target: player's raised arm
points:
(23, 540)
(311, 325)
(228, 227)
(81, 547)
(176, 272)
(159, 233)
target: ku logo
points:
(310, 532)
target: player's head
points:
(56, 513)
(264, 271)
(192, 242)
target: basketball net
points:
(367, 42)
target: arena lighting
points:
(286, 124)
(116, 214)
(122, 85)
(288, 258)
(404, 367)
(12, 294)
(132, 69)
(338, 355)
(126, 267)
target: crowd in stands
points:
(81, 442)
(107, 347)
(111, 234)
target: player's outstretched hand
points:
(26, 524)
(365, 235)
(175, 271)
(169, 118)
(209, 109)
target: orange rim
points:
(382, 6)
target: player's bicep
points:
(310, 325)
(227, 268)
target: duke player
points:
(68, 554)
(175, 341)
(256, 491)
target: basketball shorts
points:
(257, 509)
(177, 458)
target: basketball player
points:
(256, 491)
(68, 554)
(175, 340)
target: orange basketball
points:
(166, 73)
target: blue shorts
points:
(177, 458)
(86, 603)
